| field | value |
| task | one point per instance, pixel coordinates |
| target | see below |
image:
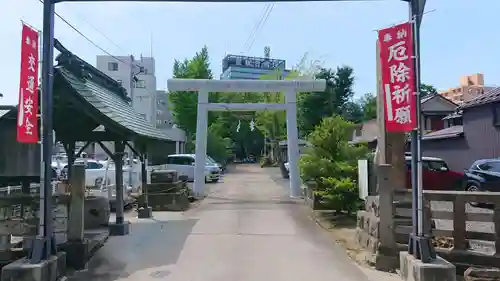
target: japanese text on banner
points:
(27, 119)
(398, 79)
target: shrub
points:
(332, 163)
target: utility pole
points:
(420, 244)
(133, 80)
(132, 83)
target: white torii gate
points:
(204, 87)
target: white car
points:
(99, 173)
(184, 165)
(287, 167)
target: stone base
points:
(76, 254)
(482, 274)
(436, 270)
(387, 263)
(52, 269)
(145, 212)
(119, 229)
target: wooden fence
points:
(463, 234)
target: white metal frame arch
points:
(204, 87)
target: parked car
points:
(96, 171)
(483, 175)
(435, 175)
(184, 165)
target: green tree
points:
(426, 90)
(184, 104)
(368, 105)
(353, 112)
(272, 124)
(331, 163)
(313, 107)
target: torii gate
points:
(204, 87)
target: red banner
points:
(27, 120)
(398, 78)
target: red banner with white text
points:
(398, 78)
(27, 120)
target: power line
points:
(261, 26)
(99, 31)
(89, 40)
(257, 23)
(258, 26)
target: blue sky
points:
(457, 38)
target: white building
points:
(137, 77)
(165, 121)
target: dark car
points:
(483, 175)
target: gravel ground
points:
(487, 227)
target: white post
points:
(292, 141)
(201, 144)
(177, 147)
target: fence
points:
(19, 218)
(463, 234)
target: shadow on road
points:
(151, 243)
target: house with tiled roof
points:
(434, 109)
(473, 132)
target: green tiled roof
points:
(111, 105)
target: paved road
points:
(246, 230)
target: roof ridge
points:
(485, 98)
(66, 59)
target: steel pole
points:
(420, 244)
(44, 246)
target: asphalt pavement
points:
(247, 229)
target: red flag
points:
(27, 120)
(398, 78)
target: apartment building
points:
(137, 76)
(470, 87)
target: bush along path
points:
(331, 164)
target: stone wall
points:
(379, 228)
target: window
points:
(112, 66)
(496, 114)
(437, 165)
(94, 166)
(180, 160)
(358, 133)
(139, 84)
(493, 166)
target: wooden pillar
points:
(70, 152)
(144, 211)
(76, 211)
(118, 159)
(391, 175)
